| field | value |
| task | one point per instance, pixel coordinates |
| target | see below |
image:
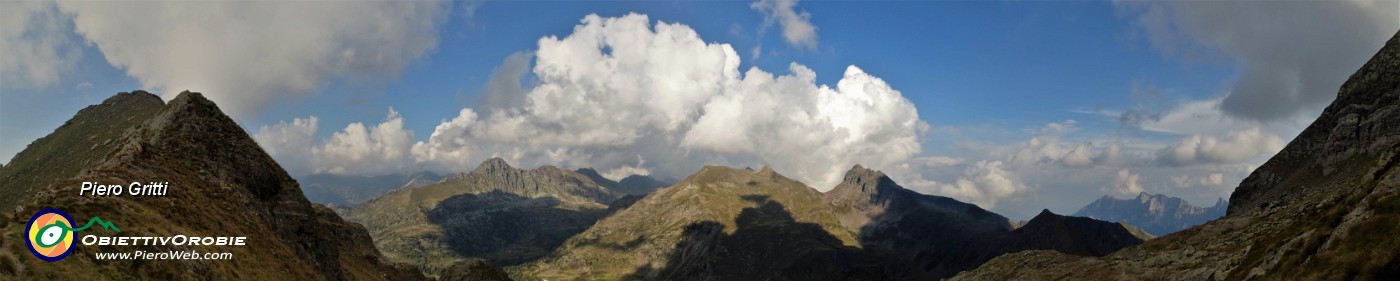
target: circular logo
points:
(49, 235)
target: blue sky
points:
(1005, 91)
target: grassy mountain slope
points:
(221, 184)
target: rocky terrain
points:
(927, 236)
(1326, 207)
(717, 224)
(1155, 213)
(723, 223)
(221, 184)
(350, 190)
(496, 212)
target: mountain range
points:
(496, 212)
(1326, 207)
(1155, 213)
(724, 223)
(350, 190)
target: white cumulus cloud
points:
(796, 25)
(1233, 148)
(1125, 184)
(1186, 181)
(358, 149)
(984, 184)
(620, 89)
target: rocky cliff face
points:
(496, 212)
(1324, 208)
(221, 184)
(1155, 213)
(1361, 122)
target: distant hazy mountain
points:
(1155, 213)
(351, 190)
(634, 184)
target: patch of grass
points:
(8, 266)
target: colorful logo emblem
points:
(49, 236)
(51, 233)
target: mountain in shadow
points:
(631, 185)
(495, 212)
(1078, 236)
(767, 244)
(508, 229)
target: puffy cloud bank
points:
(626, 96)
(245, 54)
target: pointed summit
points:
(493, 165)
(863, 185)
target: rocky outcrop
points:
(1155, 213)
(496, 212)
(1324, 208)
(474, 270)
(221, 183)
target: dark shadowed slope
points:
(919, 236)
(1078, 236)
(496, 212)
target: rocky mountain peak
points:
(493, 166)
(220, 182)
(862, 184)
